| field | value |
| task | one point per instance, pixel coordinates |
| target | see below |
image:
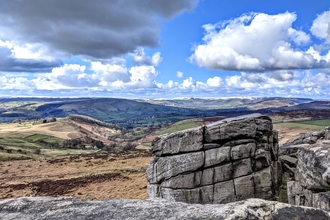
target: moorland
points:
(99, 148)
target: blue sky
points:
(165, 49)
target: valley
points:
(78, 155)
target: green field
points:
(178, 127)
(313, 124)
(16, 146)
(43, 138)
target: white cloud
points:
(214, 82)
(255, 42)
(179, 74)
(73, 75)
(188, 83)
(110, 72)
(18, 83)
(143, 76)
(140, 58)
(261, 81)
(321, 26)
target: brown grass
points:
(63, 128)
(97, 176)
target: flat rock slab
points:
(182, 141)
(37, 208)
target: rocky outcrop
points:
(69, 208)
(310, 168)
(227, 161)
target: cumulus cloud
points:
(101, 29)
(73, 75)
(255, 42)
(214, 82)
(110, 72)
(12, 61)
(18, 83)
(321, 26)
(112, 76)
(140, 58)
(261, 81)
(143, 76)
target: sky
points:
(165, 49)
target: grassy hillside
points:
(178, 127)
(149, 113)
(310, 124)
(42, 138)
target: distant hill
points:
(135, 113)
(229, 103)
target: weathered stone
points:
(153, 191)
(327, 135)
(223, 173)
(211, 146)
(233, 143)
(69, 208)
(262, 159)
(276, 170)
(177, 195)
(150, 172)
(217, 156)
(293, 191)
(206, 193)
(238, 129)
(311, 185)
(183, 141)
(321, 201)
(181, 181)
(312, 167)
(274, 147)
(198, 195)
(207, 177)
(244, 187)
(263, 184)
(243, 151)
(289, 160)
(224, 192)
(192, 196)
(167, 167)
(264, 124)
(231, 129)
(242, 168)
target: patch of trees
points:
(98, 145)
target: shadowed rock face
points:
(309, 164)
(69, 208)
(229, 160)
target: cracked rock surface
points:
(69, 208)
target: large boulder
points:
(229, 160)
(69, 208)
(308, 162)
